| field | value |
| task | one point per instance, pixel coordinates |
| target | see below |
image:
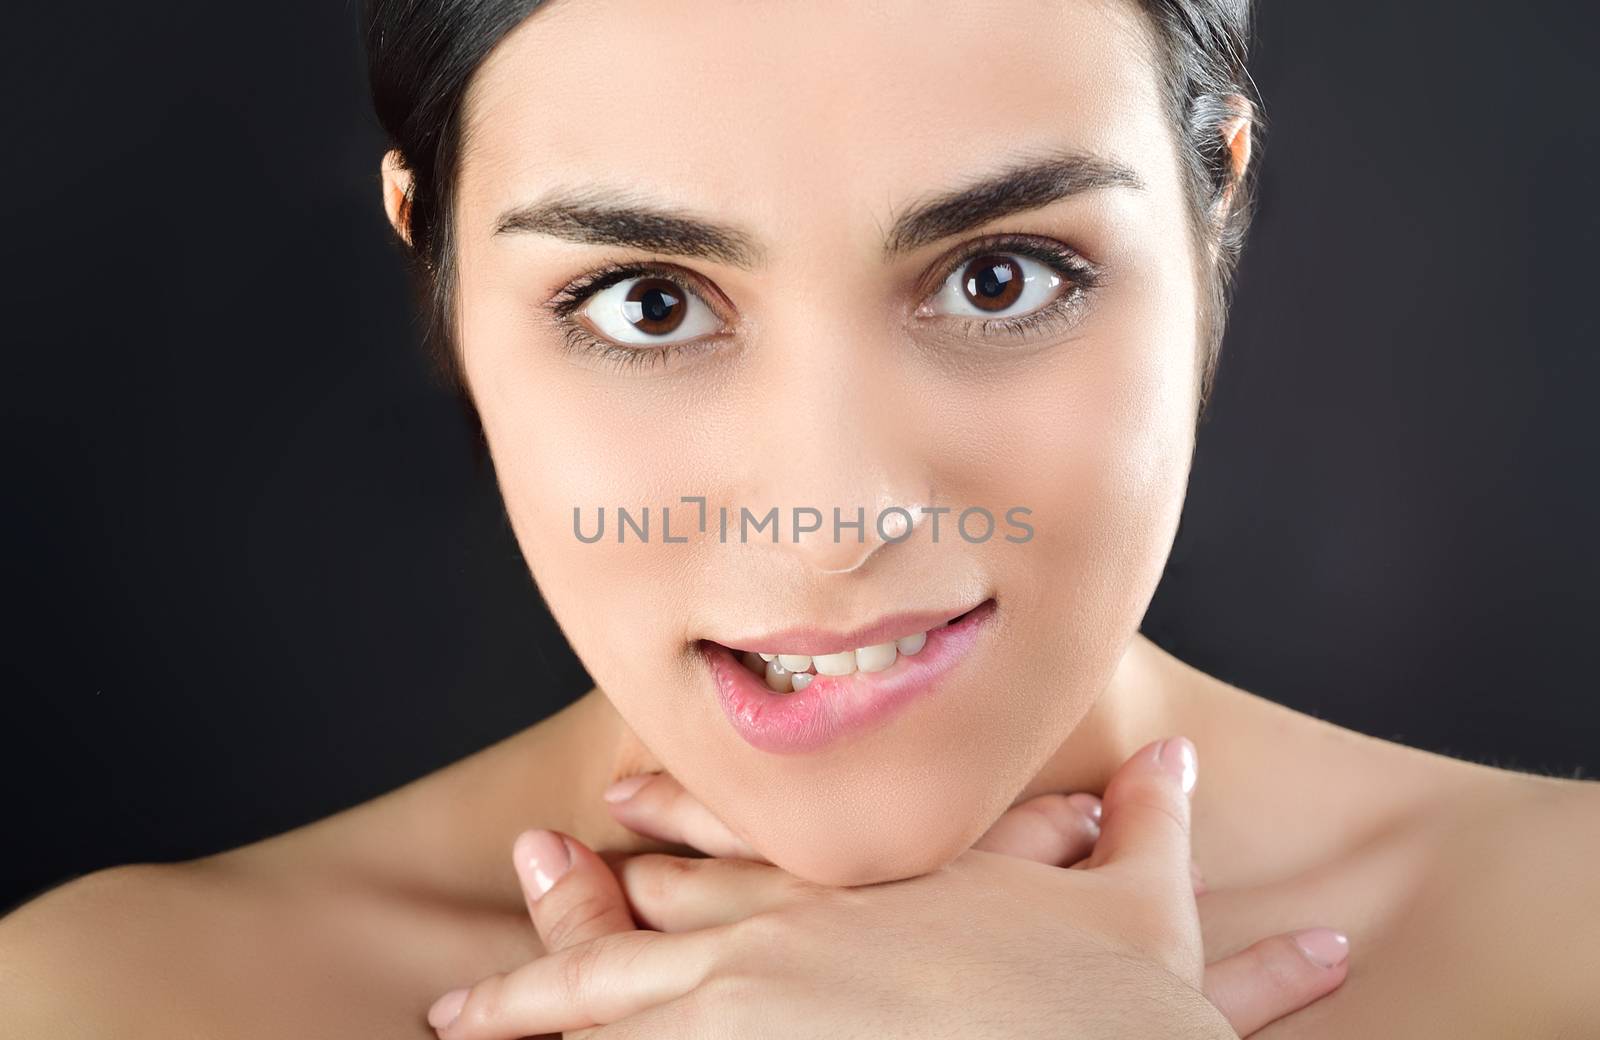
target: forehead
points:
(774, 109)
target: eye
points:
(998, 285)
(649, 310)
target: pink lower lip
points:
(832, 706)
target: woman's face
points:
(848, 333)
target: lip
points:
(833, 706)
(813, 641)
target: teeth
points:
(875, 658)
(835, 664)
(778, 680)
(786, 673)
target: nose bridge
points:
(834, 437)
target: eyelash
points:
(1083, 275)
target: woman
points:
(887, 327)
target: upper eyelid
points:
(581, 290)
(1076, 264)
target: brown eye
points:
(643, 310)
(1000, 286)
(654, 306)
(993, 282)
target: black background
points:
(253, 576)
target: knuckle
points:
(485, 1003)
(766, 929)
(721, 995)
(1275, 965)
(677, 801)
(575, 972)
(1156, 929)
(574, 915)
(762, 933)
(1060, 815)
(1159, 801)
(1153, 808)
(658, 876)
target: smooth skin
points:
(1003, 943)
(1462, 888)
(1468, 893)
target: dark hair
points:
(421, 55)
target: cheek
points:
(1109, 456)
(1109, 464)
(563, 445)
(1096, 440)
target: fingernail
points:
(1177, 756)
(447, 1008)
(542, 858)
(1087, 804)
(624, 789)
(1323, 947)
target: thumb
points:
(1146, 810)
(572, 894)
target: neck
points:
(1145, 700)
(585, 747)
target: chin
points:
(888, 843)
(866, 864)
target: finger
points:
(594, 983)
(1277, 976)
(673, 1020)
(657, 806)
(680, 893)
(572, 894)
(1058, 829)
(1146, 810)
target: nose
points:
(889, 523)
(839, 457)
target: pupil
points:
(994, 280)
(654, 305)
(657, 305)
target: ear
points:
(1236, 139)
(397, 194)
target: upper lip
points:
(813, 640)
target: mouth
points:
(806, 690)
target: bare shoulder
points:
(348, 926)
(112, 952)
(335, 929)
(220, 948)
(1521, 867)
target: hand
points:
(1271, 979)
(990, 944)
(1050, 828)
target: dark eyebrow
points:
(606, 218)
(1024, 185)
(614, 219)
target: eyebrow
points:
(618, 219)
